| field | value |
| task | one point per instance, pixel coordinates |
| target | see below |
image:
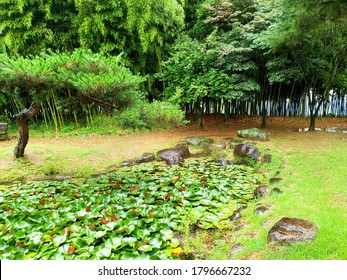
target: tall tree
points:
(31, 26)
(51, 79)
(313, 33)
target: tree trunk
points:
(22, 120)
(312, 122)
(201, 114)
(264, 113)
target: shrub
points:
(156, 115)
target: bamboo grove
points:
(81, 58)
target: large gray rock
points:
(195, 140)
(290, 230)
(246, 151)
(174, 155)
(252, 134)
(232, 143)
(212, 146)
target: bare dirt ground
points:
(103, 151)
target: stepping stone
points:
(261, 191)
(260, 211)
(275, 180)
(290, 230)
(276, 191)
(238, 247)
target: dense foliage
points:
(58, 81)
(130, 214)
(206, 55)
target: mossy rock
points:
(252, 134)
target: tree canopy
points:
(271, 54)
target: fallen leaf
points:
(168, 196)
(91, 226)
(71, 250)
(113, 217)
(134, 188)
(121, 230)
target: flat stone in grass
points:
(276, 191)
(275, 180)
(260, 211)
(146, 157)
(127, 163)
(238, 247)
(252, 134)
(290, 230)
(261, 191)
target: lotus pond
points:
(132, 213)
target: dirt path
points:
(97, 153)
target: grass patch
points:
(314, 188)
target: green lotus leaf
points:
(35, 237)
(156, 242)
(20, 234)
(99, 234)
(167, 234)
(59, 240)
(21, 225)
(145, 248)
(205, 225)
(129, 241)
(110, 225)
(174, 243)
(129, 256)
(31, 256)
